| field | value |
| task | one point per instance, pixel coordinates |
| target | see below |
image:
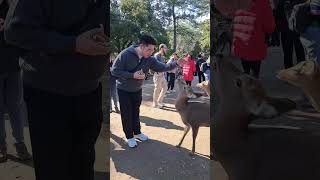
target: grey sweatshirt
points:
(127, 63)
(47, 30)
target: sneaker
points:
(173, 91)
(3, 154)
(161, 105)
(168, 92)
(132, 143)
(141, 137)
(22, 152)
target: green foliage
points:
(155, 17)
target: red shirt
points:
(250, 28)
(188, 69)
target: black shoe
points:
(22, 152)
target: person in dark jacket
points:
(11, 93)
(130, 68)
(198, 64)
(289, 38)
(65, 55)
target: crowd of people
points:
(257, 24)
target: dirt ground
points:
(158, 158)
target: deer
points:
(305, 75)
(257, 153)
(205, 85)
(193, 114)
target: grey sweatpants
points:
(11, 100)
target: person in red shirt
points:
(188, 69)
(249, 31)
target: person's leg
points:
(87, 121)
(255, 66)
(114, 94)
(299, 49)
(157, 88)
(18, 116)
(287, 47)
(203, 77)
(136, 99)
(164, 87)
(169, 81)
(172, 79)
(199, 77)
(126, 111)
(49, 117)
(3, 78)
(3, 145)
(245, 66)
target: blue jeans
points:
(311, 41)
(11, 100)
(113, 92)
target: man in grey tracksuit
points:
(130, 67)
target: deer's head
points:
(301, 74)
(238, 90)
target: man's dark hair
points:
(147, 40)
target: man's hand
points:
(1, 24)
(139, 75)
(92, 42)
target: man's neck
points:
(160, 52)
(138, 51)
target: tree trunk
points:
(174, 28)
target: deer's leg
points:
(194, 136)
(186, 130)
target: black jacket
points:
(47, 29)
(9, 56)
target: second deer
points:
(193, 114)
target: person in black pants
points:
(65, 56)
(251, 66)
(130, 67)
(198, 64)
(289, 38)
(172, 73)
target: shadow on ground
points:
(148, 121)
(157, 160)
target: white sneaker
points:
(161, 105)
(168, 92)
(173, 91)
(132, 143)
(141, 137)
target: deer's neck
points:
(181, 102)
(231, 127)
